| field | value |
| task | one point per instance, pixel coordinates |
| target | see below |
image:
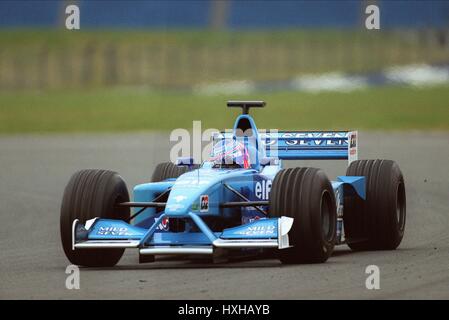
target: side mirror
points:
(269, 161)
(185, 161)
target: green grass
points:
(61, 38)
(390, 108)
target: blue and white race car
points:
(241, 200)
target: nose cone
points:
(187, 190)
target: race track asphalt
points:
(34, 170)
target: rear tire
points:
(306, 195)
(377, 223)
(167, 170)
(89, 194)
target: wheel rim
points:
(400, 206)
(326, 222)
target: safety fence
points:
(182, 64)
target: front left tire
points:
(306, 195)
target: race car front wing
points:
(107, 233)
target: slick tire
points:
(377, 223)
(89, 194)
(306, 195)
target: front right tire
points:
(89, 194)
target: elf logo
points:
(263, 189)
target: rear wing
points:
(311, 145)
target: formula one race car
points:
(241, 200)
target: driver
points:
(230, 154)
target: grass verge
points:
(383, 108)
